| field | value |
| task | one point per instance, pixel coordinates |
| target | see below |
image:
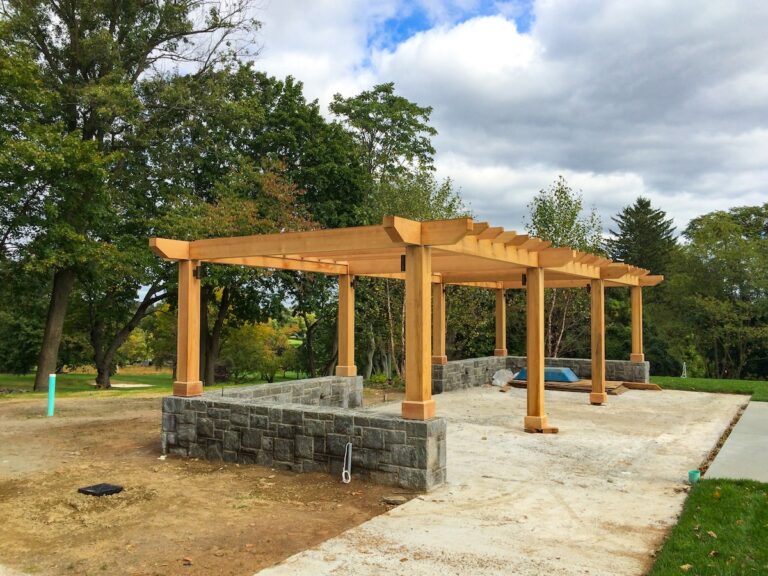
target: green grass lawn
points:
(74, 384)
(757, 388)
(722, 531)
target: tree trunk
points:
(105, 360)
(63, 280)
(391, 327)
(330, 368)
(310, 345)
(563, 324)
(213, 339)
(368, 370)
(550, 320)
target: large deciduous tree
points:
(720, 291)
(89, 56)
(556, 215)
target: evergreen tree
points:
(645, 237)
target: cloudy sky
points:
(664, 98)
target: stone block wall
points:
(341, 391)
(239, 428)
(459, 374)
(619, 370)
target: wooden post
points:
(346, 327)
(536, 418)
(501, 324)
(636, 297)
(188, 336)
(598, 395)
(438, 324)
(418, 404)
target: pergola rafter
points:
(426, 256)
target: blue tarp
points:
(552, 375)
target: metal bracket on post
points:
(197, 271)
(525, 279)
(402, 263)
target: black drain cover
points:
(100, 489)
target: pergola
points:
(427, 256)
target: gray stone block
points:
(314, 427)
(283, 450)
(337, 444)
(305, 446)
(186, 417)
(373, 438)
(231, 441)
(169, 422)
(404, 455)
(251, 439)
(343, 424)
(394, 437)
(240, 419)
(258, 421)
(185, 433)
(294, 417)
(205, 427)
(413, 479)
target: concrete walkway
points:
(745, 452)
(596, 499)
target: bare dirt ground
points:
(175, 516)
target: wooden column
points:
(438, 324)
(636, 297)
(346, 327)
(187, 381)
(501, 324)
(418, 404)
(598, 395)
(536, 418)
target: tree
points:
(393, 132)
(556, 216)
(720, 291)
(645, 237)
(90, 56)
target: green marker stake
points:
(51, 393)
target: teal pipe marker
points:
(694, 476)
(51, 393)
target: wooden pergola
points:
(427, 256)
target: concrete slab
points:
(745, 452)
(596, 499)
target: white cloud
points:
(665, 99)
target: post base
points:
(439, 359)
(538, 424)
(500, 352)
(638, 358)
(188, 388)
(346, 370)
(417, 410)
(598, 398)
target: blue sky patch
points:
(414, 19)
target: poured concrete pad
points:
(595, 499)
(745, 452)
